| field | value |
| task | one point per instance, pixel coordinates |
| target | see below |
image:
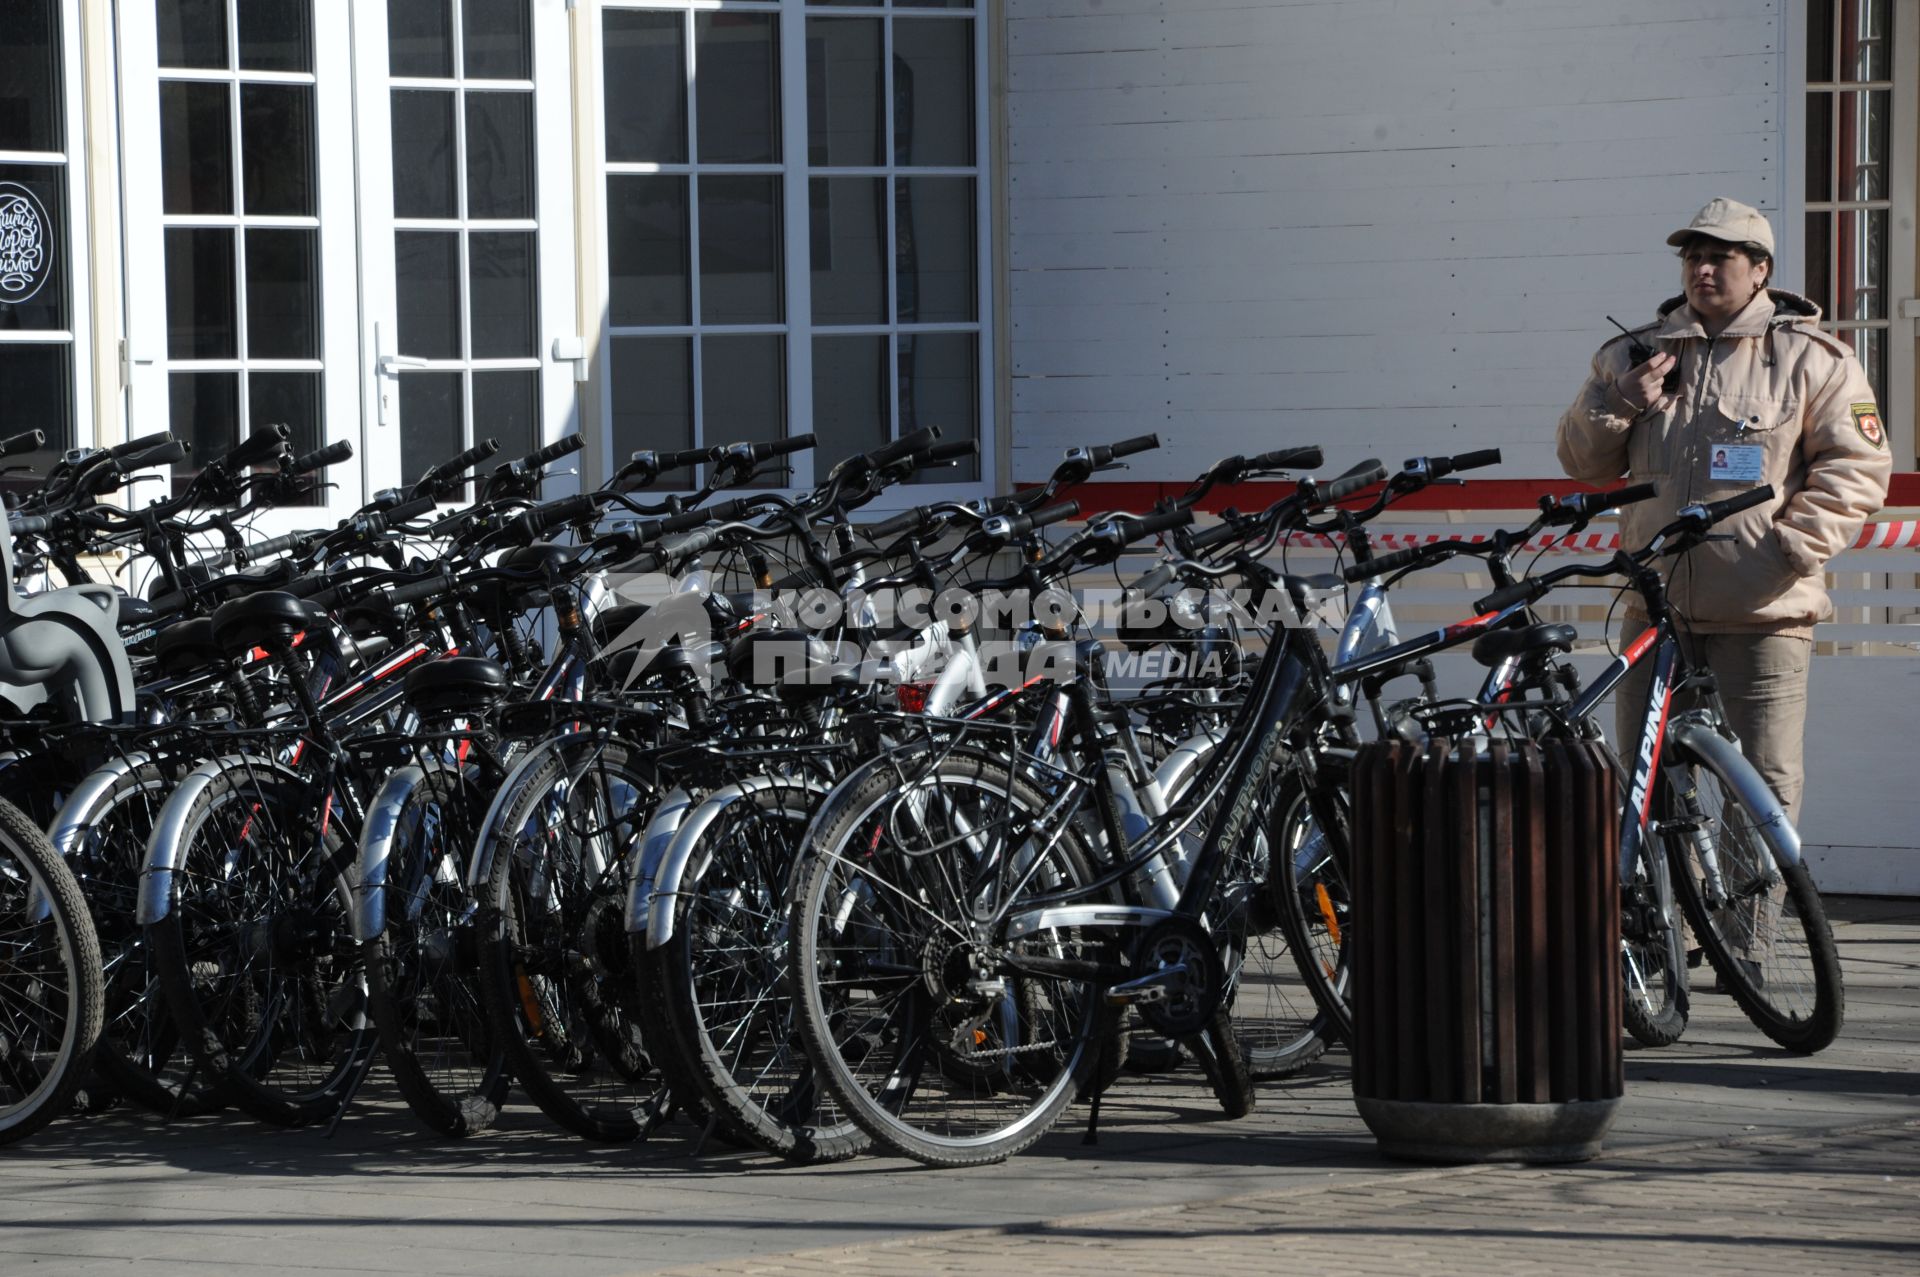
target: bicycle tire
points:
(722, 985)
(265, 983)
(1793, 990)
(140, 1055)
(50, 980)
(1655, 999)
(554, 964)
(1315, 903)
(1216, 1048)
(422, 989)
(892, 1059)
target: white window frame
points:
(795, 173)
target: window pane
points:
(204, 412)
(36, 384)
(427, 270)
(276, 35)
(502, 288)
(1819, 282)
(431, 428)
(1863, 144)
(939, 386)
(290, 399)
(740, 250)
(276, 148)
(1862, 262)
(33, 247)
(933, 92)
(423, 154)
(30, 80)
(847, 237)
(850, 394)
(1865, 51)
(193, 33)
(738, 82)
(646, 87)
(933, 249)
(506, 408)
(420, 38)
(283, 301)
(743, 392)
(1870, 344)
(196, 151)
(1819, 41)
(499, 155)
(498, 39)
(200, 294)
(647, 250)
(933, 4)
(652, 395)
(1819, 146)
(844, 91)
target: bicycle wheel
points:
(140, 1054)
(554, 964)
(950, 1046)
(1762, 924)
(722, 980)
(1652, 954)
(50, 982)
(255, 954)
(421, 984)
(1315, 899)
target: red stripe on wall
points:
(1474, 494)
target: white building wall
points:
(1386, 226)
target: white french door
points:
(341, 216)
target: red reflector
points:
(913, 696)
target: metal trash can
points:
(1486, 961)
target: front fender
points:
(655, 841)
(369, 917)
(164, 845)
(1721, 756)
(672, 868)
(72, 823)
(484, 845)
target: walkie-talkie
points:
(1638, 352)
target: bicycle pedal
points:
(1145, 989)
(1679, 825)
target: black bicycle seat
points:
(1530, 640)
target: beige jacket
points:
(1774, 382)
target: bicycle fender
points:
(369, 917)
(678, 859)
(163, 845)
(484, 844)
(1177, 768)
(1724, 759)
(69, 825)
(655, 841)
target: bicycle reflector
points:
(913, 696)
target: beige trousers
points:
(1763, 680)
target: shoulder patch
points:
(1866, 419)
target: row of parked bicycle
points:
(567, 795)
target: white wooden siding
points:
(1386, 226)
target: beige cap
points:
(1730, 220)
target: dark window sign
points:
(33, 276)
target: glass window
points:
(420, 38)
(738, 81)
(652, 387)
(34, 288)
(646, 99)
(31, 96)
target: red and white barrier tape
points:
(1898, 534)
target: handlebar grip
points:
(724, 512)
(783, 447)
(28, 524)
(1007, 527)
(1219, 534)
(141, 444)
(258, 446)
(419, 591)
(553, 452)
(165, 455)
(465, 461)
(275, 545)
(408, 510)
(1309, 458)
(1358, 479)
(1627, 496)
(688, 457)
(1385, 563)
(905, 446)
(1153, 582)
(320, 458)
(958, 450)
(1128, 447)
(913, 520)
(1152, 525)
(1508, 595)
(1718, 510)
(25, 441)
(687, 546)
(552, 514)
(1475, 460)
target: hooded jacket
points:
(1773, 381)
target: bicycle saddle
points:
(456, 684)
(791, 662)
(1491, 649)
(261, 620)
(187, 647)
